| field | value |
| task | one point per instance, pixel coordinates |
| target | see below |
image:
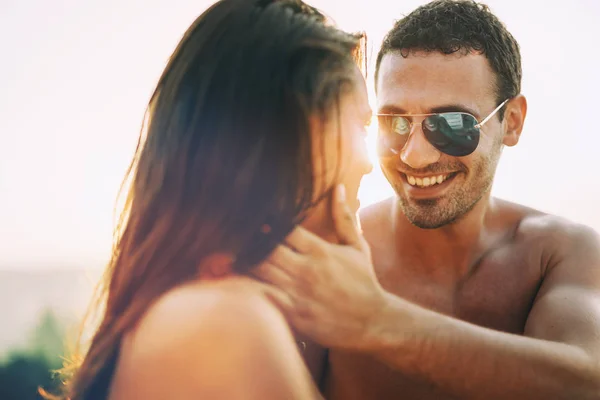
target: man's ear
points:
(514, 119)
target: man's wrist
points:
(391, 326)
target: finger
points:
(287, 259)
(294, 309)
(273, 274)
(344, 220)
(304, 241)
(282, 300)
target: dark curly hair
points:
(450, 26)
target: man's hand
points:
(327, 291)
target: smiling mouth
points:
(428, 181)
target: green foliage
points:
(27, 369)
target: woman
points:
(259, 113)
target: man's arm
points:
(558, 358)
(330, 292)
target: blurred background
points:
(75, 77)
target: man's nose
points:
(418, 152)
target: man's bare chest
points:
(498, 295)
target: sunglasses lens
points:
(452, 133)
(393, 134)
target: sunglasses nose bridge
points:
(418, 152)
(411, 132)
(414, 124)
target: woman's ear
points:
(215, 266)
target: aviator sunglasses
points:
(453, 133)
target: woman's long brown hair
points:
(226, 149)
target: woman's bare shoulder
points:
(202, 337)
(201, 309)
(202, 305)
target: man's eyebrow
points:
(391, 109)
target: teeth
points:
(426, 182)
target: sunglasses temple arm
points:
(479, 125)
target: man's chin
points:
(428, 224)
(425, 213)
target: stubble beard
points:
(451, 208)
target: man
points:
(461, 295)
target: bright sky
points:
(75, 77)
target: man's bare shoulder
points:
(376, 222)
(565, 308)
(374, 213)
(537, 224)
(559, 237)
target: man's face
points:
(426, 83)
